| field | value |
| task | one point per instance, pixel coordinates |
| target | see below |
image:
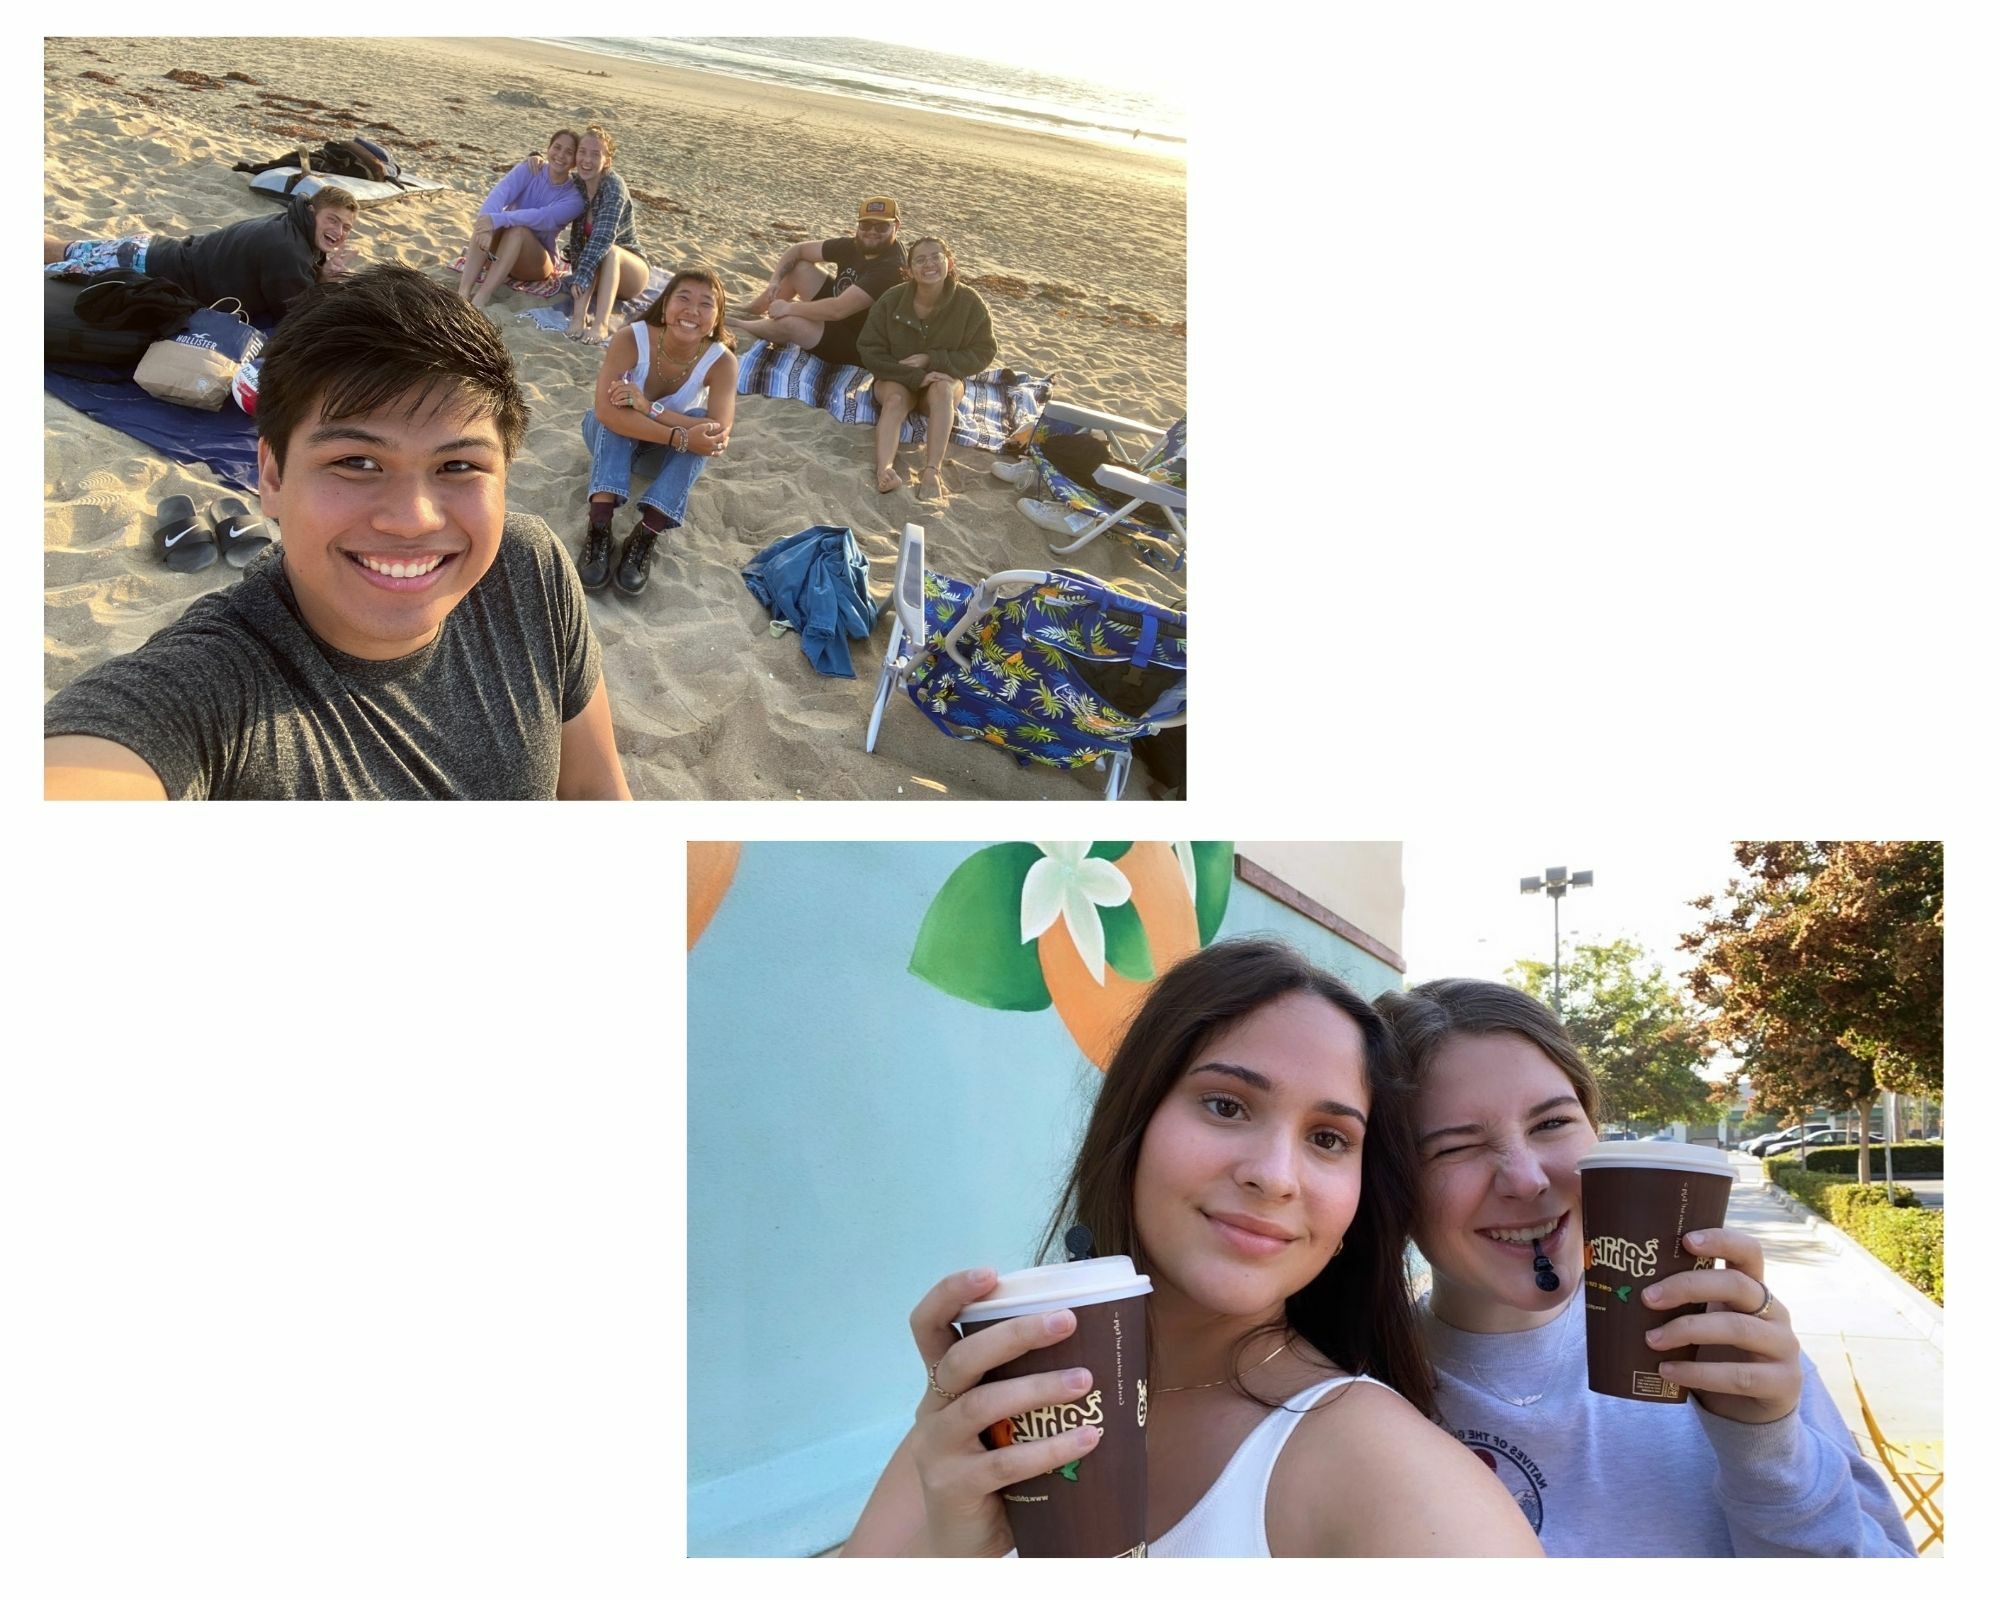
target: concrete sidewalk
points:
(1844, 1303)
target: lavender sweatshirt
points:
(533, 202)
(1599, 1476)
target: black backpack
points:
(130, 311)
(337, 158)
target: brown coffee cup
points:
(1095, 1506)
(1640, 1198)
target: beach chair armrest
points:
(975, 608)
(907, 596)
(1083, 417)
(1124, 481)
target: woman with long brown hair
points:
(1287, 1386)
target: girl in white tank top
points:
(1224, 1156)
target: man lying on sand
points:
(265, 262)
(802, 306)
(409, 639)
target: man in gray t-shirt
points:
(409, 639)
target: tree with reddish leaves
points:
(1823, 971)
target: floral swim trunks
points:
(88, 257)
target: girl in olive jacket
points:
(922, 340)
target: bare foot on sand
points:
(888, 481)
(931, 487)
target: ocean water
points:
(931, 80)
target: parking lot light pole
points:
(1555, 882)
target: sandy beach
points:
(1079, 250)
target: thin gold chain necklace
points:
(1183, 1388)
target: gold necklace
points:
(1183, 1388)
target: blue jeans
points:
(614, 458)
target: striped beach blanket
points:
(996, 404)
(554, 283)
(555, 315)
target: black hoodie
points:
(266, 262)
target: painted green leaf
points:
(1126, 947)
(1214, 869)
(970, 942)
(1108, 852)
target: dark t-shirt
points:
(239, 700)
(876, 278)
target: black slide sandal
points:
(240, 534)
(184, 544)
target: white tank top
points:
(1229, 1519)
(690, 394)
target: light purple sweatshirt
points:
(542, 207)
(1597, 1476)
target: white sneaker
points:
(1019, 473)
(1046, 514)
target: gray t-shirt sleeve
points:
(179, 702)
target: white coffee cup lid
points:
(1658, 1153)
(1035, 1290)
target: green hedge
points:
(1912, 1160)
(1893, 1227)
(1911, 1242)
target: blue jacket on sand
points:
(817, 581)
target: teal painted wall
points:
(854, 1135)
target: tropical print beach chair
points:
(1057, 668)
(1140, 496)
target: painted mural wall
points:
(886, 1080)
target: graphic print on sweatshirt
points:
(1513, 1466)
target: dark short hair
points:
(360, 342)
(657, 311)
(909, 255)
(1358, 1311)
(1426, 1016)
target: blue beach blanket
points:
(996, 403)
(224, 441)
(817, 581)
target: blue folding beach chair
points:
(1056, 668)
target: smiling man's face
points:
(388, 519)
(331, 228)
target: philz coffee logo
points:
(1045, 1422)
(1623, 1255)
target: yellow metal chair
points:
(1920, 1479)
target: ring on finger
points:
(938, 1389)
(1764, 1310)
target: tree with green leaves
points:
(1637, 1032)
(1823, 970)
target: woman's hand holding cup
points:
(1765, 1385)
(961, 1478)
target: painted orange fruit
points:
(1094, 1013)
(711, 866)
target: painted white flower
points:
(1184, 854)
(1069, 882)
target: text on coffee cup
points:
(1622, 1255)
(1045, 1422)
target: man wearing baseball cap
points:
(802, 306)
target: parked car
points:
(1662, 1134)
(1761, 1145)
(1621, 1134)
(1824, 1136)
